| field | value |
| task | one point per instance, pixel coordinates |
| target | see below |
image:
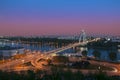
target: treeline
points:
(104, 44)
(37, 39)
(55, 74)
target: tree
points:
(58, 59)
(112, 56)
(84, 53)
(49, 61)
(96, 54)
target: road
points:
(116, 67)
(12, 63)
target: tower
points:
(82, 37)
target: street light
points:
(99, 67)
(23, 61)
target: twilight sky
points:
(49, 17)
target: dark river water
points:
(46, 47)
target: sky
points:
(54, 17)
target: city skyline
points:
(49, 17)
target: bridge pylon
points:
(82, 37)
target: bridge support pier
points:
(82, 37)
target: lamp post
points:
(99, 68)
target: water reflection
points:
(43, 46)
(105, 53)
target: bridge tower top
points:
(82, 37)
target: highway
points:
(12, 63)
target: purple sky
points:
(50, 17)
